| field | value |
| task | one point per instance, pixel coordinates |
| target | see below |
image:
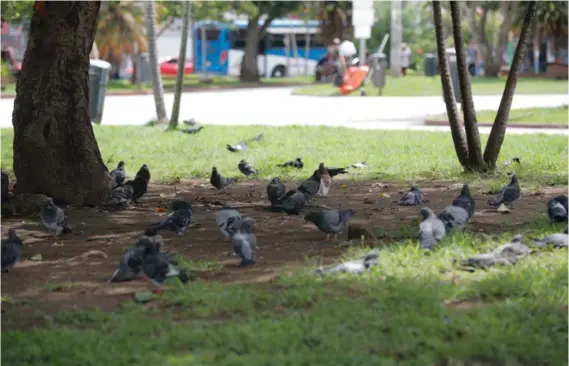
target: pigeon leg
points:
(327, 237)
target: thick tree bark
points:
(498, 132)
(157, 87)
(457, 132)
(55, 150)
(181, 66)
(249, 67)
(476, 161)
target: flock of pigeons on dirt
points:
(147, 261)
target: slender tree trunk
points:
(157, 87)
(55, 150)
(181, 66)
(395, 38)
(498, 132)
(475, 158)
(249, 67)
(457, 132)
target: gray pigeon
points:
(360, 165)
(558, 240)
(158, 267)
(118, 174)
(356, 266)
(465, 201)
(191, 130)
(228, 221)
(455, 218)
(11, 250)
(330, 221)
(54, 218)
(515, 247)
(275, 190)
(178, 221)
(120, 196)
(140, 182)
(130, 265)
(411, 198)
(242, 146)
(219, 181)
(292, 203)
(557, 209)
(246, 168)
(506, 254)
(311, 186)
(297, 163)
(244, 242)
(143, 173)
(508, 195)
(258, 138)
(431, 229)
(175, 205)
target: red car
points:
(169, 67)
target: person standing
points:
(346, 52)
(405, 58)
(472, 53)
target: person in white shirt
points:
(346, 51)
(405, 58)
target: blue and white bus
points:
(225, 43)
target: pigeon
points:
(275, 190)
(330, 221)
(411, 198)
(431, 229)
(139, 187)
(465, 201)
(143, 173)
(119, 174)
(297, 163)
(5, 193)
(158, 266)
(120, 196)
(558, 240)
(239, 147)
(292, 203)
(258, 138)
(335, 171)
(356, 266)
(175, 205)
(219, 181)
(246, 168)
(11, 250)
(54, 218)
(454, 217)
(515, 247)
(514, 160)
(557, 209)
(359, 165)
(244, 242)
(192, 130)
(228, 221)
(190, 122)
(325, 181)
(311, 186)
(508, 195)
(178, 221)
(487, 260)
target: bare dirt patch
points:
(71, 277)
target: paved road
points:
(277, 107)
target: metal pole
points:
(136, 58)
(363, 60)
(306, 51)
(287, 54)
(204, 53)
(396, 38)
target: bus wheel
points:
(278, 72)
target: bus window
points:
(211, 34)
(237, 37)
(276, 41)
(314, 41)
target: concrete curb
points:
(204, 88)
(430, 122)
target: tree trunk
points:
(476, 161)
(181, 66)
(249, 67)
(457, 132)
(396, 38)
(55, 150)
(498, 131)
(157, 87)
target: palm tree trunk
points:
(396, 38)
(181, 66)
(475, 158)
(457, 132)
(498, 132)
(157, 87)
(249, 67)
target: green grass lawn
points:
(412, 309)
(391, 155)
(417, 85)
(546, 116)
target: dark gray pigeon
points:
(190, 122)
(258, 138)
(310, 186)
(158, 266)
(5, 193)
(356, 266)
(412, 197)
(557, 209)
(506, 254)
(139, 187)
(246, 168)
(178, 221)
(175, 205)
(242, 146)
(330, 221)
(465, 201)
(557, 240)
(455, 218)
(54, 219)
(120, 196)
(228, 221)
(191, 130)
(297, 163)
(275, 190)
(431, 229)
(292, 203)
(118, 174)
(11, 250)
(508, 195)
(335, 171)
(143, 173)
(244, 242)
(130, 265)
(219, 181)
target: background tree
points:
(335, 20)
(181, 66)
(55, 150)
(16, 11)
(157, 86)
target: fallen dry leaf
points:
(343, 186)
(159, 210)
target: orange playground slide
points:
(356, 76)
